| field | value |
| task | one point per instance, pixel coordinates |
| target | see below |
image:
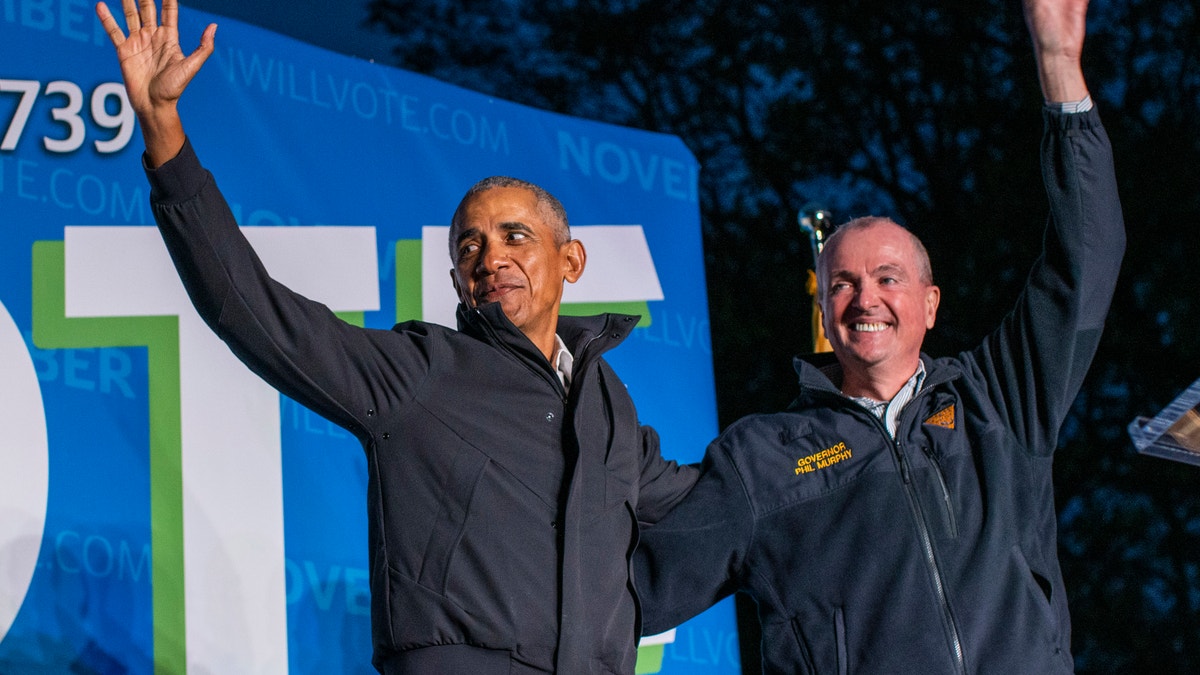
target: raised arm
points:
(1057, 28)
(1035, 362)
(155, 70)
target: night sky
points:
(336, 26)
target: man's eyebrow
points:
(516, 226)
(507, 226)
(892, 268)
(464, 234)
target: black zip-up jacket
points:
(935, 552)
(503, 509)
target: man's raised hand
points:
(1057, 28)
(155, 69)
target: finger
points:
(170, 13)
(109, 24)
(132, 21)
(149, 17)
(207, 44)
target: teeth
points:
(870, 327)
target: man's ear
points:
(574, 260)
(933, 296)
(458, 289)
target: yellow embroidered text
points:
(824, 458)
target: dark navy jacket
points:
(503, 509)
(936, 552)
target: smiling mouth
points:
(869, 327)
(494, 293)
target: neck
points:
(542, 337)
(546, 345)
(875, 384)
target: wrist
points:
(162, 131)
(1062, 79)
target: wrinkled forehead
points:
(497, 210)
(497, 203)
(873, 245)
(879, 241)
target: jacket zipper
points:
(491, 331)
(914, 503)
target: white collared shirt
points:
(563, 362)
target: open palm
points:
(155, 69)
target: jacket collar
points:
(586, 336)
(822, 372)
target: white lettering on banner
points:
(72, 191)
(363, 99)
(619, 269)
(72, 19)
(618, 164)
(69, 99)
(24, 470)
(235, 586)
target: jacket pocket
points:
(821, 645)
(450, 521)
(839, 641)
(1040, 592)
(623, 454)
(943, 486)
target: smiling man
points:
(510, 243)
(899, 516)
(877, 300)
(507, 471)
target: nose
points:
(865, 296)
(491, 258)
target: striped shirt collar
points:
(889, 411)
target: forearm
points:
(694, 556)
(1034, 363)
(1057, 29)
(1086, 241)
(1062, 79)
(663, 483)
(162, 131)
(295, 344)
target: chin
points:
(514, 314)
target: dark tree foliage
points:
(928, 112)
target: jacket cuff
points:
(1058, 121)
(177, 180)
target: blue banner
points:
(160, 508)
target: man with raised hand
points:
(507, 469)
(899, 516)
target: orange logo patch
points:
(943, 418)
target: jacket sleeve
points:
(297, 345)
(1033, 365)
(696, 554)
(663, 483)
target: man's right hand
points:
(155, 70)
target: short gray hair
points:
(924, 268)
(549, 207)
